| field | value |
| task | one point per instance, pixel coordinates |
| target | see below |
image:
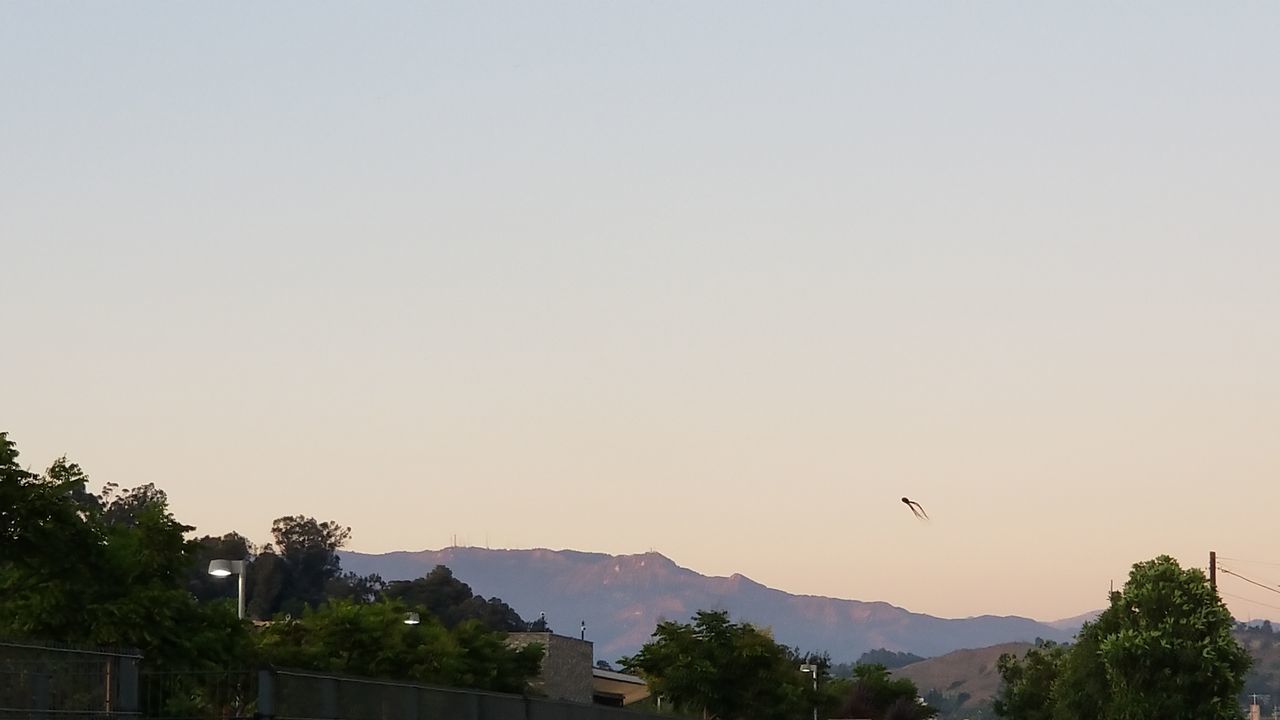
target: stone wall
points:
(566, 665)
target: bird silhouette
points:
(916, 509)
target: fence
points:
(293, 695)
(186, 695)
(48, 682)
(45, 681)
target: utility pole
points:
(1213, 570)
(1255, 710)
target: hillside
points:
(1264, 647)
(1073, 624)
(970, 671)
(966, 680)
(622, 598)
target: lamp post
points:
(812, 669)
(411, 618)
(223, 568)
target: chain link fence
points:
(294, 695)
(45, 681)
(186, 695)
(40, 681)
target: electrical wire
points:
(1273, 589)
(1254, 602)
(1251, 562)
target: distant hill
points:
(1263, 645)
(1073, 624)
(966, 678)
(623, 597)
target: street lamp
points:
(411, 618)
(223, 568)
(810, 668)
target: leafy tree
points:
(1027, 690)
(453, 602)
(888, 658)
(356, 588)
(372, 640)
(1173, 655)
(951, 704)
(72, 572)
(490, 664)
(265, 581)
(76, 483)
(40, 522)
(1082, 687)
(124, 507)
(304, 561)
(116, 569)
(722, 669)
(1163, 648)
(877, 695)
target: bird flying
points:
(916, 509)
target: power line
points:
(1253, 562)
(1254, 602)
(1275, 590)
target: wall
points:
(566, 665)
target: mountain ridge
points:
(623, 597)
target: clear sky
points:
(718, 279)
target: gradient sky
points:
(718, 279)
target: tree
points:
(71, 476)
(1027, 689)
(40, 522)
(452, 601)
(1163, 648)
(1082, 687)
(265, 581)
(309, 551)
(490, 664)
(1173, 655)
(115, 569)
(72, 573)
(888, 658)
(722, 669)
(877, 695)
(372, 640)
(124, 507)
(356, 588)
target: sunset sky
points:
(722, 280)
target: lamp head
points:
(223, 568)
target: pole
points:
(240, 593)
(1213, 570)
(815, 692)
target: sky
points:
(722, 280)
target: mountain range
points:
(621, 598)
